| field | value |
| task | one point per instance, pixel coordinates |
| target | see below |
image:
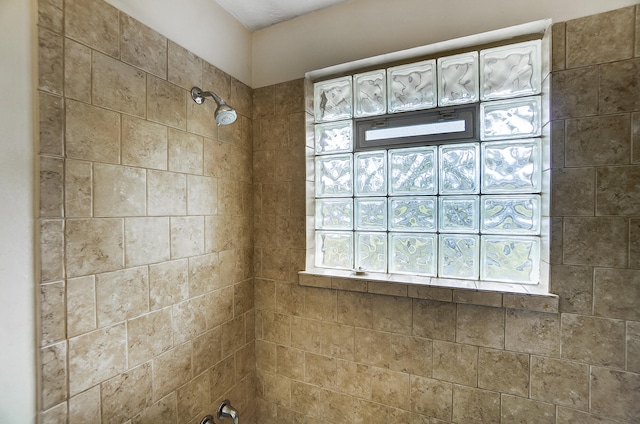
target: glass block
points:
(332, 99)
(510, 71)
(370, 90)
(413, 171)
(412, 86)
(334, 176)
(514, 118)
(371, 173)
(371, 213)
(412, 214)
(459, 168)
(334, 137)
(413, 253)
(511, 166)
(334, 249)
(459, 214)
(459, 256)
(458, 79)
(511, 214)
(510, 259)
(371, 251)
(334, 214)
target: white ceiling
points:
(258, 14)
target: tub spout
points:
(226, 410)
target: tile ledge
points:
(513, 296)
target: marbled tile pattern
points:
(137, 293)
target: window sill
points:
(487, 293)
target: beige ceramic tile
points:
(570, 416)
(475, 405)
(532, 332)
(92, 133)
(241, 97)
(187, 236)
(616, 293)
(166, 103)
(50, 62)
(574, 286)
(320, 370)
(321, 304)
(354, 379)
(52, 313)
(121, 295)
(289, 97)
(605, 37)
(126, 395)
(144, 143)
(232, 336)
(51, 122)
(194, 398)
(338, 340)
(290, 299)
(561, 382)
(503, 371)
(430, 293)
(617, 189)
(207, 350)
(574, 92)
(142, 47)
(434, 320)
(146, 240)
(216, 80)
(456, 363)
(93, 246)
(290, 362)
(50, 15)
(596, 341)
(583, 149)
(201, 118)
(573, 192)
(94, 23)
(189, 319)
(222, 377)
(265, 291)
(117, 86)
(480, 325)
(412, 355)
(204, 274)
(171, 370)
(615, 394)
(477, 297)
(633, 346)
(264, 102)
(558, 46)
(85, 407)
(185, 68)
(53, 374)
(390, 388)
(148, 336)
(246, 364)
(52, 265)
(522, 410)
(635, 137)
(597, 241)
(620, 87)
(306, 334)
(81, 305)
(355, 309)
(89, 366)
(202, 197)
(56, 415)
(168, 283)
(119, 191)
(78, 189)
(185, 152)
(392, 314)
(77, 71)
(164, 409)
(166, 193)
(530, 302)
(431, 397)
(243, 297)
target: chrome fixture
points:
(224, 115)
(226, 410)
(207, 420)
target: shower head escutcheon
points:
(224, 114)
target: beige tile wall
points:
(146, 281)
(376, 354)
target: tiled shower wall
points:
(370, 353)
(146, 220)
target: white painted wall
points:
(201, 26)
(17, 280)
(363, 28)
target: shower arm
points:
(198, 96)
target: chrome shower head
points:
(224, 114)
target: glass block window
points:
(424, 197)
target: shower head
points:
(224, 114)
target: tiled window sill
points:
(487, 293)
